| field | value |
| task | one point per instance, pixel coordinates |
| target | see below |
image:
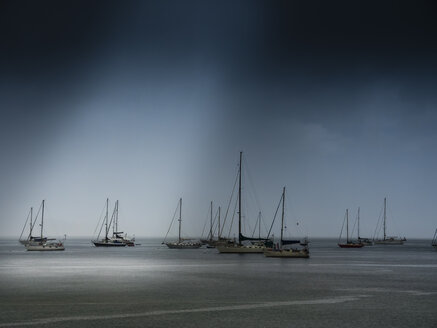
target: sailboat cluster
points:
(110, 236)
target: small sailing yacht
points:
(261, 243)
(386, 239)
(181, 243)
(43, 243)
(281, 250)
(30, 238)
(116, 240)
(349, 243)
(364, 241)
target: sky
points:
(148, 101)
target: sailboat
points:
(30, 238)
(349, 243)
(364, 241)
(181, 243)
(388, 240)
(434, 240)
(239, 247)
(280, 250)
(43, 243)
(115, 240)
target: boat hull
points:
(241, 249)
(44, 247)
(109, 244)
(389, 242)
(183, 245)
(351, 245)
(287, 253)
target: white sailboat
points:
(42, 243)
(388, 240)
(181, 243)
(282, 250)
(30, 238)
(259, 247)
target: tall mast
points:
(180, 218)
(347, 226)
(358, 223)
(116, 217)
(31, 228)
(385, 214)
(219, 232)
(239, 200)
(210, 228)
(282, 223)
(259, 225)
(106, 219)
(42, 219)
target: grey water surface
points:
(152, 286)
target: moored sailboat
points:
(30, 238)
(181, 243)
(388, 240)
(115, 240)
(261, 243)
(281, 250)
(43, 243)
(364, 241)
(349, 243)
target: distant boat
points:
(387, 240)
(181, 243)
(349, 243)
(30, 238)
(434, 240)
(116, 240)
(364, 241)
(43, 243)
(280, 250)
(258, 245)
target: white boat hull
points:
(45, 247)
(241, 249)
(389, 242)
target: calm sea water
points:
(153, 286)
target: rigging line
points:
(274, 218)
(98, 222)
(378, 224)
(353, 227)
(252, 184)
(172, 220)
(25, 224)
(341, 232)
(214, 225)
(233, 215)
(36, 217)
(229, 203)
(205, 223)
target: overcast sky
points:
(149, 101)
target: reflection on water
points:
(101, 287)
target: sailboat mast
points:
(42, 219)
(385, 214)
(282, 223)
(116, 218)
(180, 218)
(31, 216)
(219, 232)
(259, 225)
(358, 223)
(347, 225)
(106, 219)
(210, 228)
(239, 201)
